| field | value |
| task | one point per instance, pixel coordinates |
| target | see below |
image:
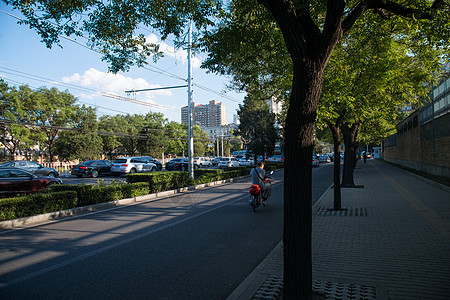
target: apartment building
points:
(206, 115)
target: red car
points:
(15, 181)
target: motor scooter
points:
(255, 194)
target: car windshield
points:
(86, 163)
(224, 159)
(120, 161)
(5, 163)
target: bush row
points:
(94, 194)
(19, 207)
(60, 197)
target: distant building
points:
(206, 115)
(275, 107)
(215, 132)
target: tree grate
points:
(270, 289)
(273, 286)
(344, 212)
(338, 291)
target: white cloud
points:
(179, 55)
(113, 83)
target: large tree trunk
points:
(299, 144)
(337, 163)
(310, 51)
(349, 133)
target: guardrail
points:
(63, 168)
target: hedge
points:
(40, 203)
(93, 194)
(162, 181)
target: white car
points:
(216, 160)
(125, 165)
(202, 162)
(276, 158)
(246, 162)
(228, 162)
(324, 159)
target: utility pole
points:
(190, 109)
(218, 151)
(222, 145)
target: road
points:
(196, 245)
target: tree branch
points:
(354, 14)
(393, 7)
(403, 10)
(309, 28)
(291, 27)
(332, 30)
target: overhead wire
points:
(150, 68)
(84, 89)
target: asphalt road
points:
(196, 245)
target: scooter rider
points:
(258, 174)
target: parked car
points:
(156, 162)
(216, 160)
(324, 159)
(137, 164)
(315, 162)
(228, 162)
(32, 167)
(181, 164)
(276, 158)
(202, 162)
(14, 181)
(246, 161)
(92, 168)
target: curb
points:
(79, 211)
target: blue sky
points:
(25, 60)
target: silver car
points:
(125, 165)
(228, 162)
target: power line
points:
(159, 70)
(100, 93)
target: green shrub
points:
(82, 190)
(162, 181)
(40, 203)
(94, 194)
(135, 189)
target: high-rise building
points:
(212, 114)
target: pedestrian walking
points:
(365, 156)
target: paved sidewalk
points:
(391, 242)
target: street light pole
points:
(190, 109)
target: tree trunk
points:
(349, 134)
(299, 144)
(337, 163)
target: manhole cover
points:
(344, 212)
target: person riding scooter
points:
(258, 175)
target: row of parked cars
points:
(20, 176)
(23, 177)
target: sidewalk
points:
(391, 242)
